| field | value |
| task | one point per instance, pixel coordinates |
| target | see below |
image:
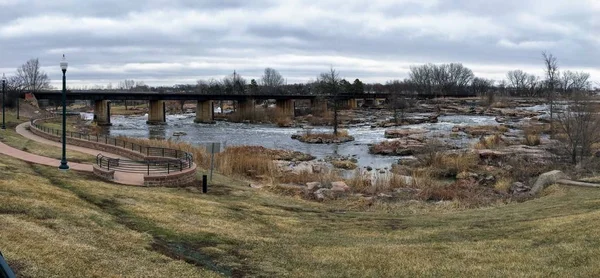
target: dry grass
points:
(373, 183)
(449, 165)
(503, 185)
(532, 140)
(532, 134)
(344, 164)
(49, 231)
(489, 142)
(56, 224)
(282, 121)
(326, 136)
(240, 161)
(245, 161)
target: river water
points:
(269, 136)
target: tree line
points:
(28, 77)
(423, 80)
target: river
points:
(269, 136)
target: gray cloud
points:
(179, 41)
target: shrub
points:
(284, 121)
(489, 142)
(449, 165)
(532, 140)
(503, 185)
(373, 182)
(344, 164)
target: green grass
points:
(55, 224)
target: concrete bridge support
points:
(102, 112)
(369, 102)
(285, 107)
(245, 109)
(352, 103)
(157, 113)
(205, 112)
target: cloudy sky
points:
(170, 42)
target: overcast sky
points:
(170, 42)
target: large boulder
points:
(547, 179)
(323, 194)
(313, 185)
(399, 147)
(399, 133)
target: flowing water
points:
(273, 137)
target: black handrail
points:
(142, 166)
(180, 159)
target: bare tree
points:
(330, 84)
(441, 79)
(14, 87)
(126, 85)
(234, 84)
(271, 79)
(522, 83)
(31, 77)
(551, 69)
(484, 88)
(396, 102)
(580, 124)
(570, 82)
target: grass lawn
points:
(71, 224)
(56, 124)
(10, 137)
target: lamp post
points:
(3, 93)
(63, 161)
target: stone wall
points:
(186, 177)
(103, 173)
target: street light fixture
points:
(63, 161)
(3, 93)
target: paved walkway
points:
(120, 177)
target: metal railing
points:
(175, 160)
(148, 167)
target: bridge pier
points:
(285, 107)
(205, 112)
(369, 102)
(245, 109)
(157, 113)
(352, 103)
(102, 112)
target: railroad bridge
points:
(205, 106)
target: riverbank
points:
(238, 231)
(54, 223)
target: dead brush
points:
(440, 164)
(326, 136)
(532, 135)
(244, 161)
(489, 142)
(374, 183)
